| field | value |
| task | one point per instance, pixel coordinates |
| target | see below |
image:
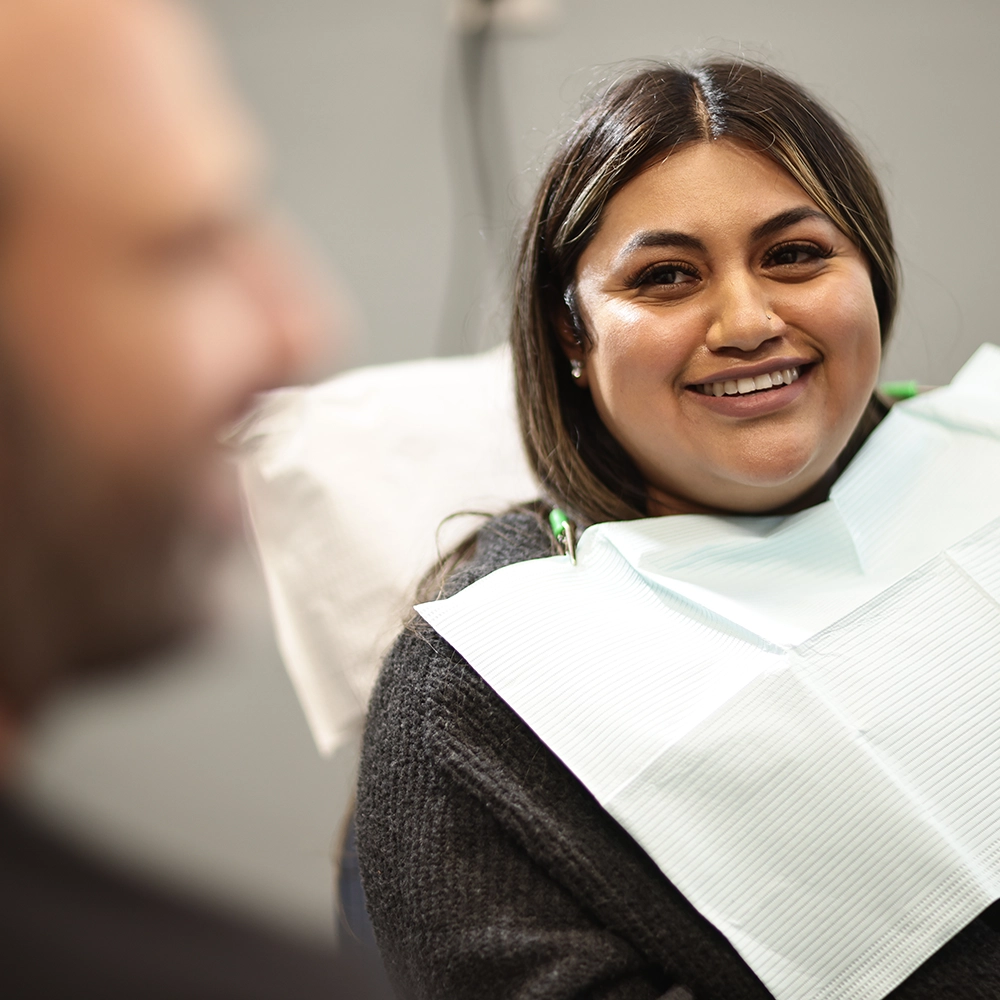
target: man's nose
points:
(296, 305)
(743, 317)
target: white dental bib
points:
(798, 718)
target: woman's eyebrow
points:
(785, 219)
(661, 238)
(672, 238)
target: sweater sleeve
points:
(475, 883)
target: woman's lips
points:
(757, 403)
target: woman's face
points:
(712, 276)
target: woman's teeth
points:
(743, 386)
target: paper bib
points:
(797, 718)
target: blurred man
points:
(145, 298)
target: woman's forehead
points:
(701, 188)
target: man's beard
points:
(98, 567)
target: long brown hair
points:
(639, 118)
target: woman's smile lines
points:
(744, 386)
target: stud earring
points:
(576, 368)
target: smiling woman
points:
(713, 267)
(718, 213)
(703, 290)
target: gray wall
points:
(206, 775)
(354, 97)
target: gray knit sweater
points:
(490, 871)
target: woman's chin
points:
(754, 489)
(787, 465)
(796, 487)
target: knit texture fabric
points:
(491, 872)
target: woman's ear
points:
(571, 339)
(575, 352)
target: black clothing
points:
(72, 927)
(491, 872)
(354, 928)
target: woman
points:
(703, 290)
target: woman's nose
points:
(743, 317)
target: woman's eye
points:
(665, 274)
(797, 253)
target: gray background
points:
(205, 775)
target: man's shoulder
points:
(74, 925)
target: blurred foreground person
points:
(145, 299)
